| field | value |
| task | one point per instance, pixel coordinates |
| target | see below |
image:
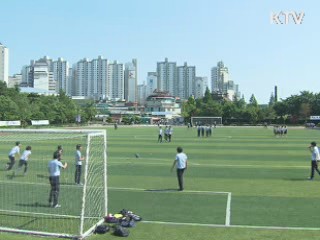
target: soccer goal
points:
(24, 197)
(206, 121)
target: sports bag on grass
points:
(101, 229)
(120, 231)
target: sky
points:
(258, 53)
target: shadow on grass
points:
(163, 190)
(299, 179)
(36, 204)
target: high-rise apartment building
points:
(167, 76)
(60, 70)
(42, 76)
(39, 74)
(152, 83)
(200, 86)
(4, 63)
(186, 76)
(142, 94)
(221, 82)
(89, 78)
(130, 81)
(115, 84)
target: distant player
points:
(315, 157)
(15, 151)
(170, 133)
(79, 159)
(59, 149)
(160, 135)
(24, 160)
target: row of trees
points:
(58, 109)
(296, 109)
(61, 109)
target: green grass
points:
(267, 177)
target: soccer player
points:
(12, 154)
(59, 150)
(24, 160)
(79, 159)
(170, 133)
(54, 171)
(315, 157)
(181, 164)
(160, 135)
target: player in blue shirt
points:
(54, 171)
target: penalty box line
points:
(228, 207)
(234, 226)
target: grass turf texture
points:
(267, 177)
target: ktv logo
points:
(286, 17)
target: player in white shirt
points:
(24, 159)
(315, 157)
(160, 135)
(181, 164)
(79, 159)
(12, 155)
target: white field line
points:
(165, 191)
(41, 214)
(212, 165)
(228, 210)
(233, 226)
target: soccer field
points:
(241, 183)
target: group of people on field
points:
(165, 134)
(204, 130)
(280, 131)
(54, 167)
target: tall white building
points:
(221, 81)
(142, 93)
(151, 84)
(90, 78)
(4, 63)
(42, 76)
(39, 75)
(61, 75)
(99, 78)
(200, 86)
(167, 76)
(186, 76)
(115, 85)
(130, 81)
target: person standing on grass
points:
(79, 159)
(15, 151)
(170, 133)
(54, 178)
(315, 157)
(59, 150)
(160, 135)
(24, 160)
(181, 164)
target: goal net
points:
(206, 121)
(24, 198)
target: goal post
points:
(206, 121)
(24, 205)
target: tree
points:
(272, 100)
(253, 101)
(189, 108)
